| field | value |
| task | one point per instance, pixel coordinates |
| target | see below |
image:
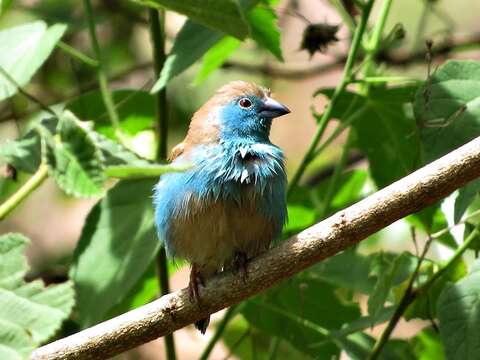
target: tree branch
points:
(325, 239)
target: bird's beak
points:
(272, 109)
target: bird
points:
(230, 203)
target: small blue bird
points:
(230, 205)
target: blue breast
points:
(233, 171)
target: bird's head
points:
(238, 111)
(247, 110)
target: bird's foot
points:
(195, 279)
(239, 264)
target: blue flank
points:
(243, 159)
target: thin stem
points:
(339, 129)
(274, 346)
(23, 92)
(336, 177)
(26, 189)
(376, 38)
(231, 311)
(101, 71)
(411, 294)
(74, 53)
(346, 17)
(402, 306)
(346, 78)
(157, 32)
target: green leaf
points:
(136, 110)
(447, 107)
(264, 29)
(292, 311)
(425, 307)
(120, 231)
(219, 15)
(30, 313)
(299, 218)
(74, 160)
(384, 131)
(465, 197)
(427, 345)
(390, 274)
(4, 5)
(23, 49)
(191, 43)
(354, 277)
(23, 154)
(114, 153)
(459, 314)
(359, 346)
(216, 56)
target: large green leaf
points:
(219, 15)
(428, 346)
(447, 107)
(303, 311)
(191, 43)
(23, 49)
(459, 314)
(355, 276)
(383, 129)
(216, 56)
(73, 158)
(136, 110)
(30, 313)
(118, 243)
(264, 29)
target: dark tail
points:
(202, 324)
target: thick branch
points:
(325, 239)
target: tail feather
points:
(202, 324)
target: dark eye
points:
(245, 103)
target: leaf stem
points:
(26, 189)
(156, 19)
(74, 53)
(411, 294)
(26, 94)
(101, 71)
(345, 80)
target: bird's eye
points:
(245, 103)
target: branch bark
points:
(325, 239)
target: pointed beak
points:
(272, 109)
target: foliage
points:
(393, 124)
(30, 313)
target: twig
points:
(26, 189)
(414, 192)
(74, 53)
(26, 94)
(403, 304)
(101, 70)
(157, 32)
(346, 78)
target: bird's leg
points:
(239, 264)
(195, 279)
